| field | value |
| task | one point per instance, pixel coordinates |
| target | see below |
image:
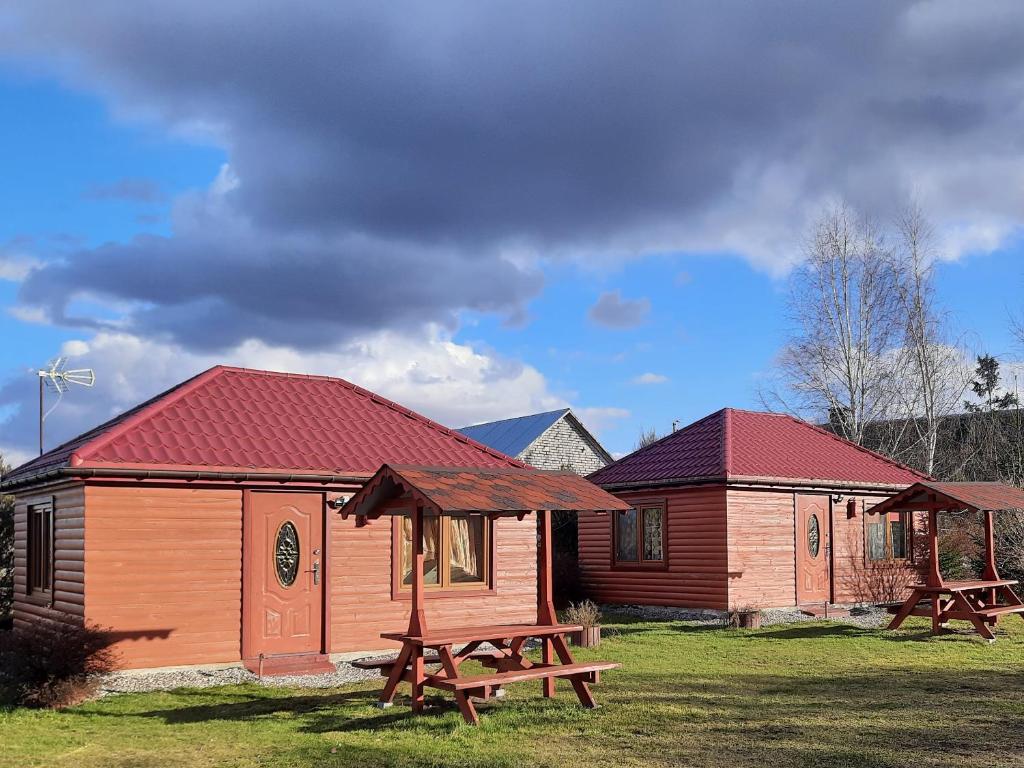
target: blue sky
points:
(126, 144)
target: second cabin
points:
(751, 510)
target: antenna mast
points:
(58, 378)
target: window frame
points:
(443, 589)
(907, 519)
(639, 505)
(40, 544)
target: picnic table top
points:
(453, 635)
(964, 586)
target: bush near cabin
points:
(6, 553)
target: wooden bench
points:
(581, 671)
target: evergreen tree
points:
(985, 385)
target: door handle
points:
(316, 573)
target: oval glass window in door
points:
(813, 536)
(286, 554)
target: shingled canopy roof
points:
(494, 491)
(979, 497)
(240, 422)
(747, 446)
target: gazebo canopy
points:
(927, 495)
(495, 491)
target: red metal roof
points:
(733, 445)
(453, 490)
(239, 419)
(983, 497)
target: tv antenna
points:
(57, 377)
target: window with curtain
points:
(640, 535)
(455, 551)
(40, 547)
(887, 538)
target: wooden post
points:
(545, 601)
(934, 574)
(417, 617)
(991, 572)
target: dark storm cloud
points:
(419, 143)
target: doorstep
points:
(291, 664)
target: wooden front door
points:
(284, 574)
(813, 550)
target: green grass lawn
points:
(816, 694)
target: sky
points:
(481, 210)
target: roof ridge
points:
(727, 442)
(860, 448)
(664, 438)
(562, 411)
(162, 401)
(155, 405)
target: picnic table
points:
(980, 601)
(504, 656)
(493, 492)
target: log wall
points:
(67, 601)
(164, 572)
(696, 571)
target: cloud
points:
(15, 267)
(221, 280)
(453, 383)
(650, 378)
(612, 311)
(599, 419)
(135, 190)
(569, 128)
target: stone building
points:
(551, 440)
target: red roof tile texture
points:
(734, 444)
(452, 490)
(241, 419)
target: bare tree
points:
(935, 375)
(840, 362)
(646, 437)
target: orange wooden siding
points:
(762, 565)
(361, 571)
(696, 574)
(68, 571)
(858, 580)
(164, 572)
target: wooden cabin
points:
(201, 528)
(745, 509)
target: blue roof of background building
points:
(512, 436)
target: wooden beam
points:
(417, 617)
(545, 598)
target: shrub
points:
(958, 551)
(50, 664)
(6, 555)
(586, 614)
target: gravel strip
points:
(867, 617)
(143, 682)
